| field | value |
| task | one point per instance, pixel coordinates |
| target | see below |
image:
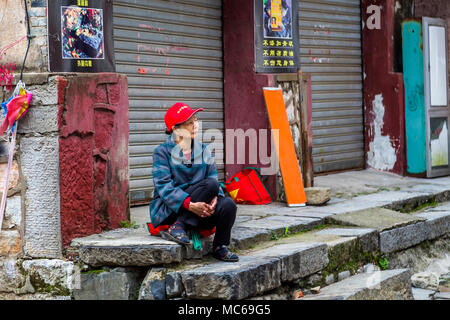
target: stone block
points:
(126, 247)
(11, 277)
(38, 31)
(425, 280)
(139, 255)
(248, 277)
(10, 243)
(403, 237)
(381, 285)
(37, 12)
(45, 94)
(40, 119)
(298, 260)
(437, 223)
(116, 284)
(442, 296)
(154, 285)
(329, 279)
(368, 238)
(51, 275)
(278, 224)
(341, 251)
(244, 237)
(370, 267)
(13, 213)
(343, 275)
(14, 176)
(40, 169)
(317, 195)
(38, 21)
(33, 297)
(174, 286)
(375, 218)
(422, 294)
(188, 251)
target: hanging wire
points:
(29, 39)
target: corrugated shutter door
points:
(171, 52)
(331, 51)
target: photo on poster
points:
(439, 142)
(277, 18)
(82, 33)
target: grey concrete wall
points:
(39, 162)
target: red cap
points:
(178, 113)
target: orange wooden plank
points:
(287, 157)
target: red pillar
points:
(93, 151)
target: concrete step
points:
(378, 285)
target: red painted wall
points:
(244, 102)
(93, 147)
(378, 51)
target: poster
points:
(80, 36)
(276, 36)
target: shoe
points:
(224, 254)
(176, 233)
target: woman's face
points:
(188, 129)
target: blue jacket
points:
(172, 174)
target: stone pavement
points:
(278, 244)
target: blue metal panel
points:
(413, 75)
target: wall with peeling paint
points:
(383, 94)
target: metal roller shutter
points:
(331, 51)
(171, 52)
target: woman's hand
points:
(202, 209)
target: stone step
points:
(136, 247)
(398, 231)
(377, 229)
(253, 231)
(133, 247)
(378, 285)
(299, 257)
(255, 273)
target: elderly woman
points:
(187, 192)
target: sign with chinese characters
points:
(80, 36)
(276, 36)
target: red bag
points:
(155, 231)
(246, 187)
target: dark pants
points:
(222, 218)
